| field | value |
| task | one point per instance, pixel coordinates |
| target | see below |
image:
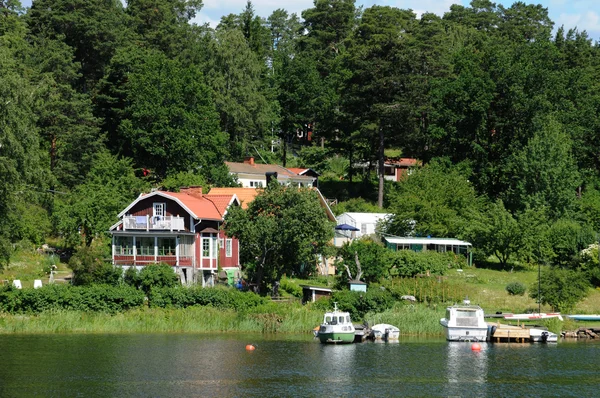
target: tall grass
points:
(286, 319)
(416, 320)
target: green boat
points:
(336, 328)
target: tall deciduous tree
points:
(282, 232)
(91, 208)
(170, 121)
(544, 173)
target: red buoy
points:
(250, 347)
(475, 347)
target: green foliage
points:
(94, 298)
(284, 230)
(90, 266)
(373, 258)
(170, 122)
(358, 205)
(496, 232)
(92, 208)
(157, 276)
(183, 179)
(561, 288)
(516, 288)
(222, 298)
(567, 238)
(288, 286)
(436, 200)
(358, 304)
(544, 172)
(407, 263)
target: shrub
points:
(89, 267)
(516, 289)
(155, 276)
(218, 297)
(95, 298)
(290, 287)
(407, 263)
(560, 288)
(359, 303)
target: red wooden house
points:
(180, 229)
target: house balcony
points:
(159, 223)
(182, 261)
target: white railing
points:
(147, 223)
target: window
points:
(205, 247)
(145, 246)
(166, 246)
(228, 248)
(159, 209)
(363, 228)
(124, 245)
(221, 243)
(186, 244)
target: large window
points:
(124, 245)
(166, 246)
(228, 248)
(186, 243)
(145, 246)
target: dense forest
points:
(100, 101)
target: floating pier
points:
(510, 333)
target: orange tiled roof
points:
(201, 207)
(221, 202)
(244, 195)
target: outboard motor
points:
(490, 332)
(545, 337)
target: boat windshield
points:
(466, 313)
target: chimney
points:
(249, 160)
(195, 191)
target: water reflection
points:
(466, 369)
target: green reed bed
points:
(197, 319)
(415, 320)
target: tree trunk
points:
(381, 168)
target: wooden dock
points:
(510, 333)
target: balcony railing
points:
(147, 223)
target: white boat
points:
(537, 335)
(384, 331)
(465, 323)
(337, 328)
(532, 317)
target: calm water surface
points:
(190, 365)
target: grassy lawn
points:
(29, 265)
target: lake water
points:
(190, 365)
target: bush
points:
(290, 287)
(157, 276)
(89, 267)
(561, 288)
(218, 297)
(407, 263)
(516, 289)
(358, 304)
(95, 298)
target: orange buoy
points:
(250, 347)
(475, 347)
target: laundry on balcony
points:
(141, 221)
